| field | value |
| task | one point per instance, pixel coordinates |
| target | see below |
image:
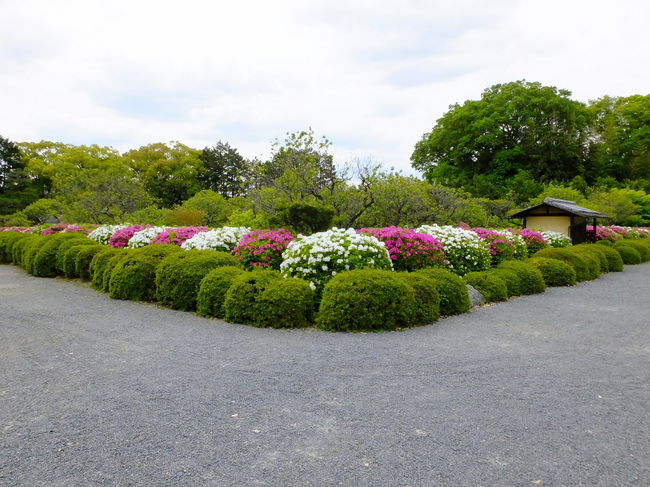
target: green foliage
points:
(555, 272)
(70, 258)
(213, 289)
(16, 187)
(578, 262)
(629, 255)
(7, 241)
(366, 300)
(303, 218)
(454, 298)
(110, 265)
(44, 262)
(22, 247)
(151, 215)
(179, 276)
(241, 298)
(134, 276)
(185, 217)
(100, 263)
(84, 258)
(531, 279)
(214, 207)
(492, 287)
(43, 210)
(510, 278)
(32, 249)
(427, 298)
(641, 246)
(64, 247)
(224, 171)
(596, 252)
(285, 303)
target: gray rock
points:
(475, 297)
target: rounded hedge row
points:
(285, 303)
(44, 262)
(613, 258)
(63, 249)
(83, 260)
(179, 275)
(99, 263)
(70, 258)
(489, 285)
(213, 289)
(530, 278)
(554, 271)
(427, 298)
(454, 298)
(629, 254)
(7, 240)
(641, 246)
(578, 262)
(241, 297)
(510, 278)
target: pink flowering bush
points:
(262, 248)
(177, 236)
(534, 240)
(63, 228)
(121, 237)
(408, 249)
(500, 244)
(17, 229)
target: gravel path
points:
(543, 390)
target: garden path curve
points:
(551, 389)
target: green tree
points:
(16, 187)
(224, 170)
(516, 126)
(215, 207)
(40, 211)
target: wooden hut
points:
(561, 216)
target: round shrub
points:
(285, 303)
(84, 258)
(640, 246)
(110, 265)
(408, 249)
(530, 278)
(224, 239)
(318, 257)
(7, 240)
(592, 258)
(427, 299)
(213, 289)
(614, 261)
(510, 278)
(262, 248)
(44, 262)
(134, 276)
(578, 262)
(23, 246)
(99, 263)
(596, 250)
(70, 258)
(605, 243)
(365, 300)
(241, 297)
(454, 298)
(32, 250)
(555, 272)
(178, 276)
(489, 285)
(464, 250)
(629, 255)
(63, 249)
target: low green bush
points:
(7, 241)
(213, 289)
(606, 243)
(70, 258)
(365, 300)
(44, 262)
(20, 248)
(25, 250)
(454, 298)
(578, 262)
(614, 260)
(629, 254)
(530, 278)
(67, 245)
(110, 266)
(510, 278)
(84, 258)
(427, 299)
(641, 247)
(285, 303)
(554, 271)
(134, 276)
(597, 251)
(99, 263)
(241, 297)
(178, 276)
(489, 285)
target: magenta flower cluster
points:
(121, 237)
(408, 249)
(262, 248)
(17, 229)
(177, 236)
(501, 247)
(63, 227)
(534, 240)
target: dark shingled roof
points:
(565, 205)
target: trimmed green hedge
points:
(63, 249)
(530, 278)
(99, 264)
(554, 271)
(427, 298)
(179, 276)
(489, 285)
(578, 262)
(83, 260)
(7, 241)
(213, 289)
(510, 278)
(70, 258)
(629, 254)
(454, 298)
(285, 303)
(134, 276)
(241, 297)
(44, 262)
(614, 261)
(641, 246)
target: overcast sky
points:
(372, 76)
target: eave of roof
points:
(564, 205)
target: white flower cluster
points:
(518, 244)
(320, 256)
(556, 239)
(144, 237)
(464, 250)
(103, 234)
(224, 239)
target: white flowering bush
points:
(556, 239)
(318, 257)
(464, 249)
(224, 239)
(519, 245)
(144, 237)
(104, 233)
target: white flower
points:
(224, 239)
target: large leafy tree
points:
(481, 144)
(224, 170)
(16, 187)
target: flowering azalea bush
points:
(224, 239)
(121, 237)
(144, 237)
(178, 235)
(63, 228)
(318, 257)
(17, 229)
(408, 249)
(464, 249)
(519, 246)
(262, 248)
(533, 239)
(500, 244)
(103, 234)
(556, 239)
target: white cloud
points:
(371, 76)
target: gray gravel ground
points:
(543, 390)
